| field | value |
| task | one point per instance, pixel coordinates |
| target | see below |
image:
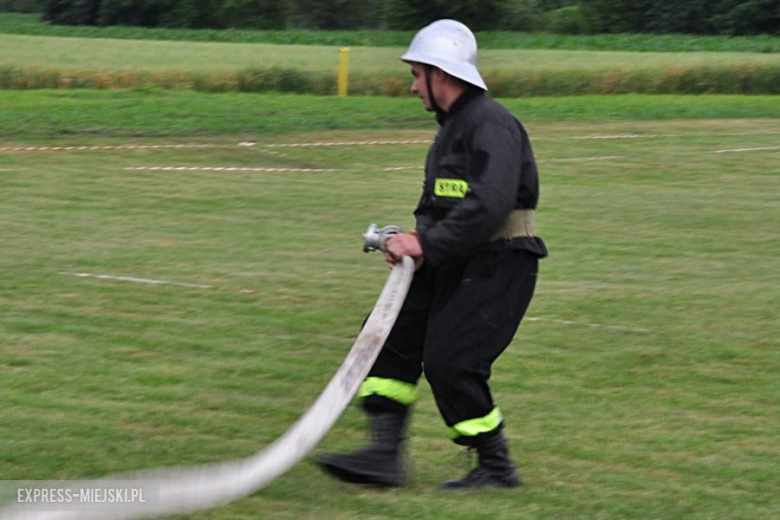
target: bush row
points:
(29, 24)
(684, 80)
(22, 6)
(562, 16)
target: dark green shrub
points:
(566, 20)
(612, 16)
(521, 15)
(21, 6)
(253, 14)
(144, 13)
(742, 18)
(71, 12)
(677, 16)
(339, 14)
(192, 14)
(682, 16)
(414, 14)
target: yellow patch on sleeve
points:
(454, 188)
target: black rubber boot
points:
(381, 462)
(494, 470)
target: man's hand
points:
(401, 245)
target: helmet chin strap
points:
(431, 98)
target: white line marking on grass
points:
(734, 150)
(655, 136)
(316, 170)
(749, 133)
(429, 141)
(624, 136)
(228, 169)
(149, 281)
(101, 148)
(136, 280)
(584, 159)
(348, 143)
(573, 159)
(249, 144)
(181, 490)
(619, 328)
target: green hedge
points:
(563, 16)
(730, 17)
(684, 80)
(21, 6)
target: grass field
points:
(58, 116)
(77, 57)
(117, 54)
(643, 384)
(30, 24)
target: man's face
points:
(420, 85)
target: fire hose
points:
(174, 491)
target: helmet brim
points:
(463, 71)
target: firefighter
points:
(477, 261)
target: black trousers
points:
(456, 320)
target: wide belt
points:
(519, 223)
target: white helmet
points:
(450, 46)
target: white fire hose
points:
(174, 491)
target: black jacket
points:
(479, 168)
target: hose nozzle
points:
(374, 238)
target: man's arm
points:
(493, 183)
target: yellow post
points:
(343, 71)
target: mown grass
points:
(31, 25)
(54, 62)
(57, 114)
(644, 388)
(115, 55)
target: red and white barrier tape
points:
(100, 148)
(227, 169)
(348, 143)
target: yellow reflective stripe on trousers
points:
(404, 393)
(474, 427)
